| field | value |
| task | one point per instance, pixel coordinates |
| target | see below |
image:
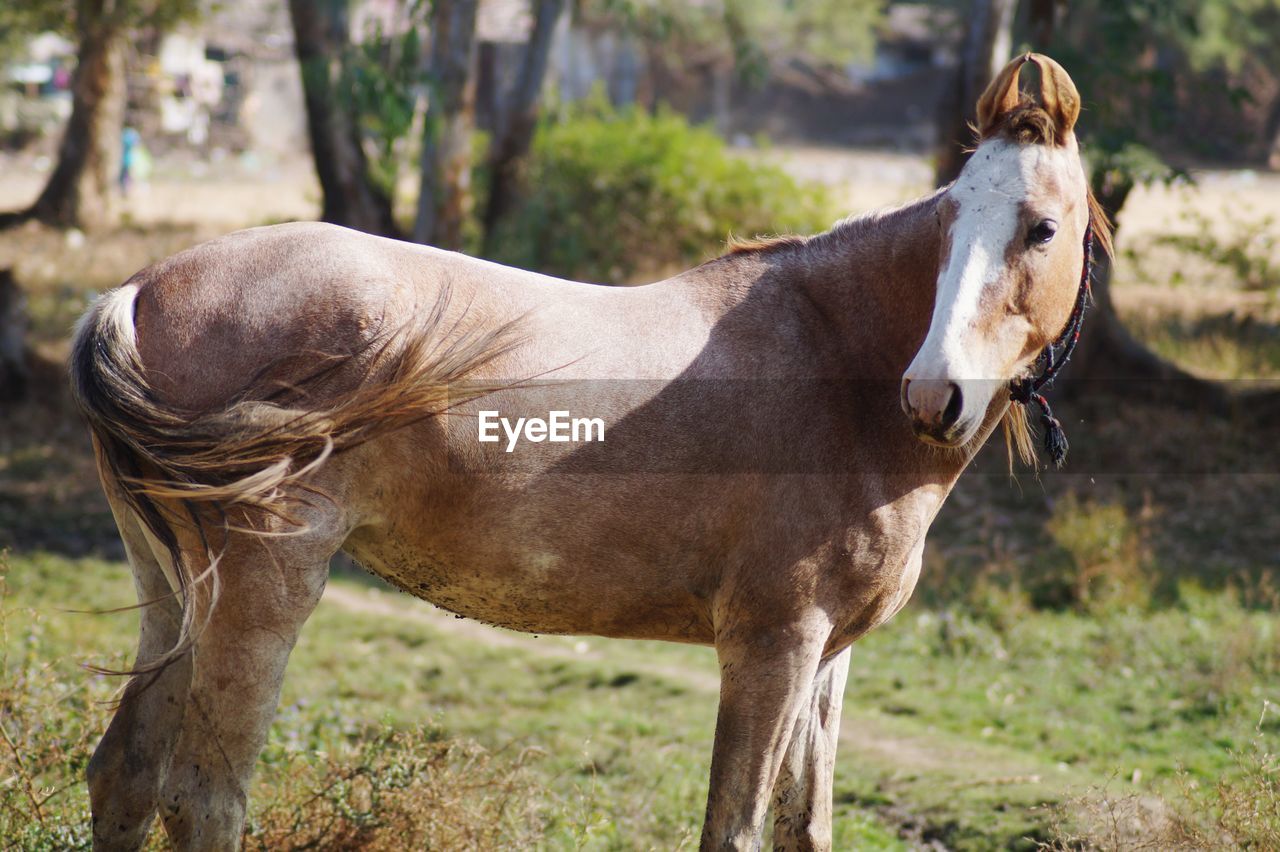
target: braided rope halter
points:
(1055, 356)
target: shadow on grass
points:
(50, 498)
(1228, 343)
(1197, 490)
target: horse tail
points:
(176, 467)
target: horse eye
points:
(1043, 232)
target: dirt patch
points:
(221, 196)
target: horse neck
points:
(873, 280)
(858, 300)
(859, 296)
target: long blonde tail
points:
(176, 466)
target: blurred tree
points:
(444, 198)
(514, 135)
(322, 41)
(80, 191)
(15, 371)
(1042, 19)
(386, 68)
(988, 44)
(740, 40)
(749, 33)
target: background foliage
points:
(616, 191)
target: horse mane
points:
(1027, 123)
(763, 245)
(840, 232)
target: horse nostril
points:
(954, 406)
(903, 399)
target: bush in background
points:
(613, 193)
(1102, 560)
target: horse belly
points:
(536, 588)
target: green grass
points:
(1135, 691)
(582, 753)
(976, 726)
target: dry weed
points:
(1241, 811)
(399, 790)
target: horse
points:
(778, 427)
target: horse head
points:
(1014, 228)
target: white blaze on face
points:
(988, 196)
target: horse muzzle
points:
(936, 408)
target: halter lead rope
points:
(1054, 357)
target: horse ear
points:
(1058, 95)
(1000, 97)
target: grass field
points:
(1092, 659)
(566, 743)
(976, 732)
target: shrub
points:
(612, 193)
(1101, 561)
(1244, 810)
(1246, 248)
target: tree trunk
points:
(14, 370)
(321, 32)
(722, 98)
(444, 199)
(988, 43)
(1271, 133)
(1042, 20)
(80, 192)
(519, 119)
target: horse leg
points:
(802, 795)
(239, 660)
(764, 682)
(127, 769)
